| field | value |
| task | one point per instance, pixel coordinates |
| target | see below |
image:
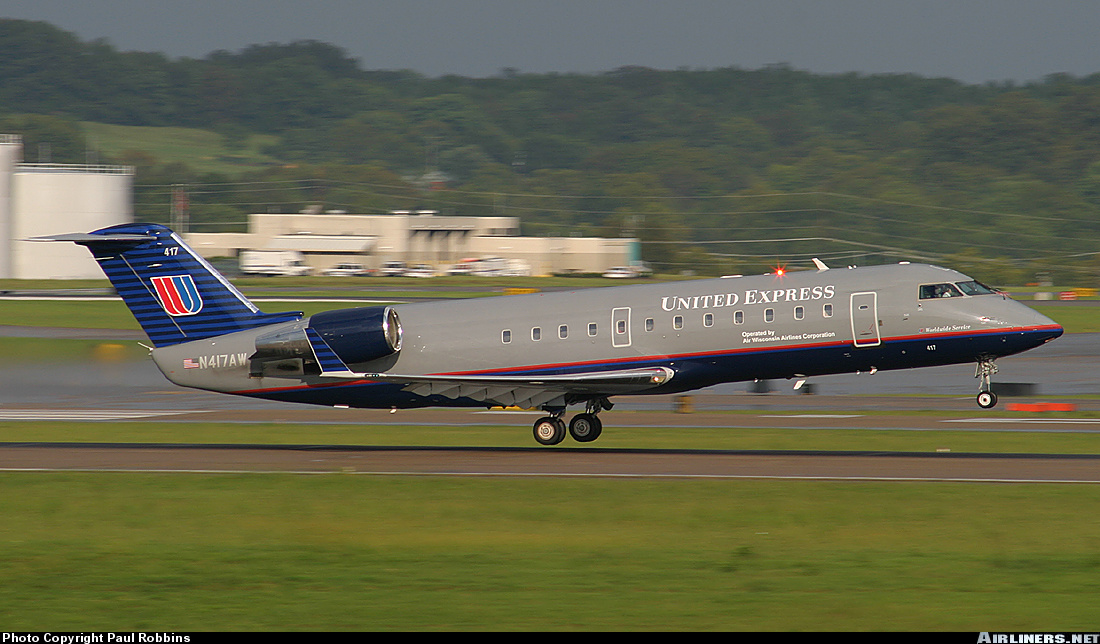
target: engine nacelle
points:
(359, 335)
(355, 335)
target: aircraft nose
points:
(1042, 328)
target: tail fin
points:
(175, 294)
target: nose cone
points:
(1043, 322)
(1036, 328)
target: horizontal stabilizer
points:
(89, 238)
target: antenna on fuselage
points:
(820, 265)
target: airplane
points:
(551, 350)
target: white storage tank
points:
(50, 199)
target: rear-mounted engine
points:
(359, 335)
(355, 335)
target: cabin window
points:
(506, 336)
(827, 310)
(620, 327)
(563, 331)
(536, 333)
(769, 315)
(592, 329)
(678, 322)
(708, 319)
(799, 312)
(649, 324)
(738, 317)
(935, 291)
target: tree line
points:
(1002, 179)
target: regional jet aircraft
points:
(552, 350)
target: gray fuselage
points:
(706, 331)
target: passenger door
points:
(865, 331)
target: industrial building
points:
(39, 199)
(326, 239)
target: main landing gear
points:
(584, 428)
(986, 398)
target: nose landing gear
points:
(986, 398)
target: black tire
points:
(987, 399)
(585, 428)
(549, 430)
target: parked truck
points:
(273, 262)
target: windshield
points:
(974, 288)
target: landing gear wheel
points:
(585, 428)
(987, 399)
(549, 430)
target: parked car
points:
(465, 266)
(345, 270)
(620, 272)
(273, 262)
(420, 270)
(393, 269)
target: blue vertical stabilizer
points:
(175, 294)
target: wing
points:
(522, 391)
(503, 390)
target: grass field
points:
(178, 552)
(159, 552)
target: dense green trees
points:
(697, 163)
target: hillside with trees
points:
(719, 170)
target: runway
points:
(563, 462)
(566, 460)
(135, 391)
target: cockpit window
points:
(974, 288)
(933, 291)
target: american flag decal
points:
(178, 295)
(189, 363)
